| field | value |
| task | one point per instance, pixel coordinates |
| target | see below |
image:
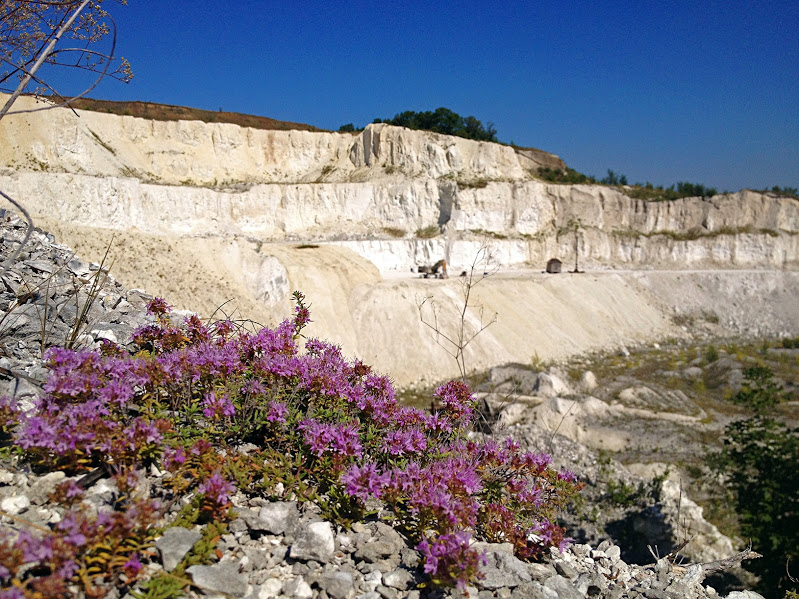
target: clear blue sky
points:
(705, 91)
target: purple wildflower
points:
(35, 550)
(404, 441)
(158, 307)
(72, 531)
(457, 400)
(450, 559)
(224, 328)
(217, 489)
(277, 412)
(340, 439)
(567, 475)
(173, 458)
(254, 387)
(365, 481)
(217, 407)
(132, 566)
(67, 569)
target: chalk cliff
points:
(210, 212)
(194, 178)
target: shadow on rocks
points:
(638, 530)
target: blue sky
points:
(705, 91)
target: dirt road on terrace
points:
(376, 318)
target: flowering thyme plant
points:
(191, 397)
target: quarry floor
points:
(533, 316)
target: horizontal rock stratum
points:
(203, 213)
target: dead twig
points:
(705, 569)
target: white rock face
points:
(194, 178)
(214, 212)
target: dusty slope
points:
(375, 319)
(538, 316)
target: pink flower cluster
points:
(193, 393)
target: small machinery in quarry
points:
(437, 271)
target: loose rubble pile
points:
(271, 549)
(50, 297)
(284, 549)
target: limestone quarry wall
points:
(206, 213)
(526, 223)
(193, 153)
(207, 179)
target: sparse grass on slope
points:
(166, 112)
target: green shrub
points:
(660, 193)
(711, 354)
(614, 179)
(788, 192)
(788, 343)
(568, 176)
(758, 462)
(394, 232)
(443, 120)
(428, 232)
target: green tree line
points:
(441, 120)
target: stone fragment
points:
(270, 588)
(566, 570)
(693, 373)
(278, 517)
(41, 490)
(613, 553)
(532, 590)
(376, 551)
(541, 571)
(388, 534)
(253, 521)
(590, 584)
(106, 334)
(314, 542)
(550, 385)
(174, 544)
(15, 504)
(410, 558)
(588, 382)
(221, 578)
(503, 570)
(297, 588)
(387, 592)
(563, 588)
(373, 578)
(257, 556)
(511, 414)
(398, 579)
(338, 585)
(6, 476)
(41, 265)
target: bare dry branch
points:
(707, 568)
(462, 332)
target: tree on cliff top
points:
(443, 120)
